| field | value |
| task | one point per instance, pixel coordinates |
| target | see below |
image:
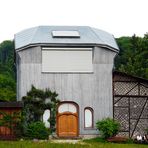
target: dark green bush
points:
(146, 131)
(108, 127)
(35, 103)
(37, 130)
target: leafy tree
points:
(7, 58)
(7, 88)
(124, 45)
(7, 71)
(35, 103)
(133, 56)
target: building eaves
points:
(43, 35)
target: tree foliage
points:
(7, 88)
(133, 55)
(37, 130)
(108, 127)
(10, 120)
(7, 72)
(7, 58)
(35, 103)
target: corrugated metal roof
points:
(43, 35)
(115, 72)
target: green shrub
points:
(146, 131)
(37, 130)
(35, 103)
(108, 127)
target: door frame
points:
(59, 114)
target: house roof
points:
(115, 72)
(43, 35)
(11, 104)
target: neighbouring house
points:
(9, 113)
(77, 63)
(130, 104)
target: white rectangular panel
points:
(74, 34)
(66, 60)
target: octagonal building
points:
(77, 63)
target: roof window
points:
(65, 34)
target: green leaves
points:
(7, 88)
(108, 127)
(7, 58)
(36, 102)
(37, 130)
(133, 55)
(10, 120)
(7, 82)
(7, 74)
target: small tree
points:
(108, 127)
(35, 104)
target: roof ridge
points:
(34, 32)
(95, 33)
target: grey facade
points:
(86, 89)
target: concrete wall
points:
(86, 89)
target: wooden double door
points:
(67, 120)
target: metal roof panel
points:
(43, 35)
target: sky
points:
(118, 17)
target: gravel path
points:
(65, 141)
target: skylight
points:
(65, 34)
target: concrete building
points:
(77, 63)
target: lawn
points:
(83, 144)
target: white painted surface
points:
(66, 60)
(88, 118)
(65, 34)
(67, 107)
(67, 48)
(46, 116)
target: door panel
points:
(67, 125)
(62, 121)
(72, 125)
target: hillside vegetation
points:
(7, 72)
(132, 59)
(133, 56)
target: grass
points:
(92, 143)
(30, 144)
(101, 143)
